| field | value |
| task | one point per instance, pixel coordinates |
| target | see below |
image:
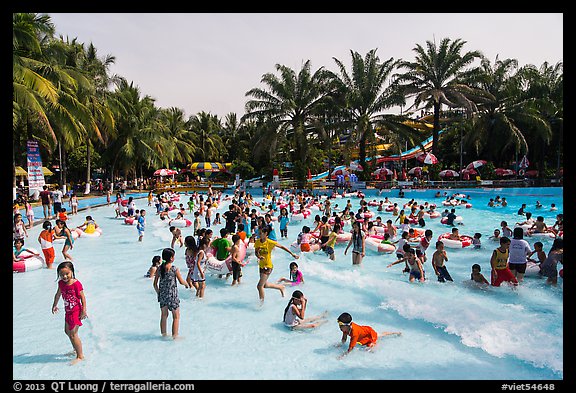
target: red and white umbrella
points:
(343, 172)
(427, 158)
(417, 171)
(471, 171)
(354, 166)
(382, 172)
(504, 172)
(448, 173)
(165, 172)
(476, 164)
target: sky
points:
(208, 61)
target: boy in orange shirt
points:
(362, 335)
(45, 239)
(62, 214)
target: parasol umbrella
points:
(504, 172)
(382, 172)
(448, 173)
(342, 171)
(207, 168)
(427, 158)
(476, 164)
(165, 172)
(524, 163)
(470, 171)
(354, 166)
(416, 171)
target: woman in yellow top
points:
(263, 249)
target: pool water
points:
(450, 331)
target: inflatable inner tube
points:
(450, 243)
(375, 244)
(213, 265)
(27, 261)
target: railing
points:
(189, 186)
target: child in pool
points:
(296, 277)
(540, 254)
(166, 286)
(156, 260)
(72, 293)
(414, 264)
(438, 259)
(476, 276)
(496, 236)
(476, 240)
(237, 262)
(359, 334)
(176, 236)
(294, 313)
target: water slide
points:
(408, 154)
(405, 155)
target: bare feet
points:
(73, 362)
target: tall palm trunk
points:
(436, 128)
(88, 157)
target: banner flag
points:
(35, 175)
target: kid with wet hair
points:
(359, 334)
(294, 313)
(156, 260)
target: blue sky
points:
(207, 61)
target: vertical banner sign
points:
(35, 174)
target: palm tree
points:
(140, 139)
(366, 95)
(287, 104)
(434, 79)
(181, 138)
(32, 93)
(544, 87)
(498, 130)
(205, 129)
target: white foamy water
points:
(449, 330)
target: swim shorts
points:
(328, 250)
(519, 267)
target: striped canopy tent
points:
(207, 169)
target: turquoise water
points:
(450, 331)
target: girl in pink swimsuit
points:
(72, 293)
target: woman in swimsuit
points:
(358, 241)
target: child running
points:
(359, 334)
(72, 293)
(294, 313)
(166, 287)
